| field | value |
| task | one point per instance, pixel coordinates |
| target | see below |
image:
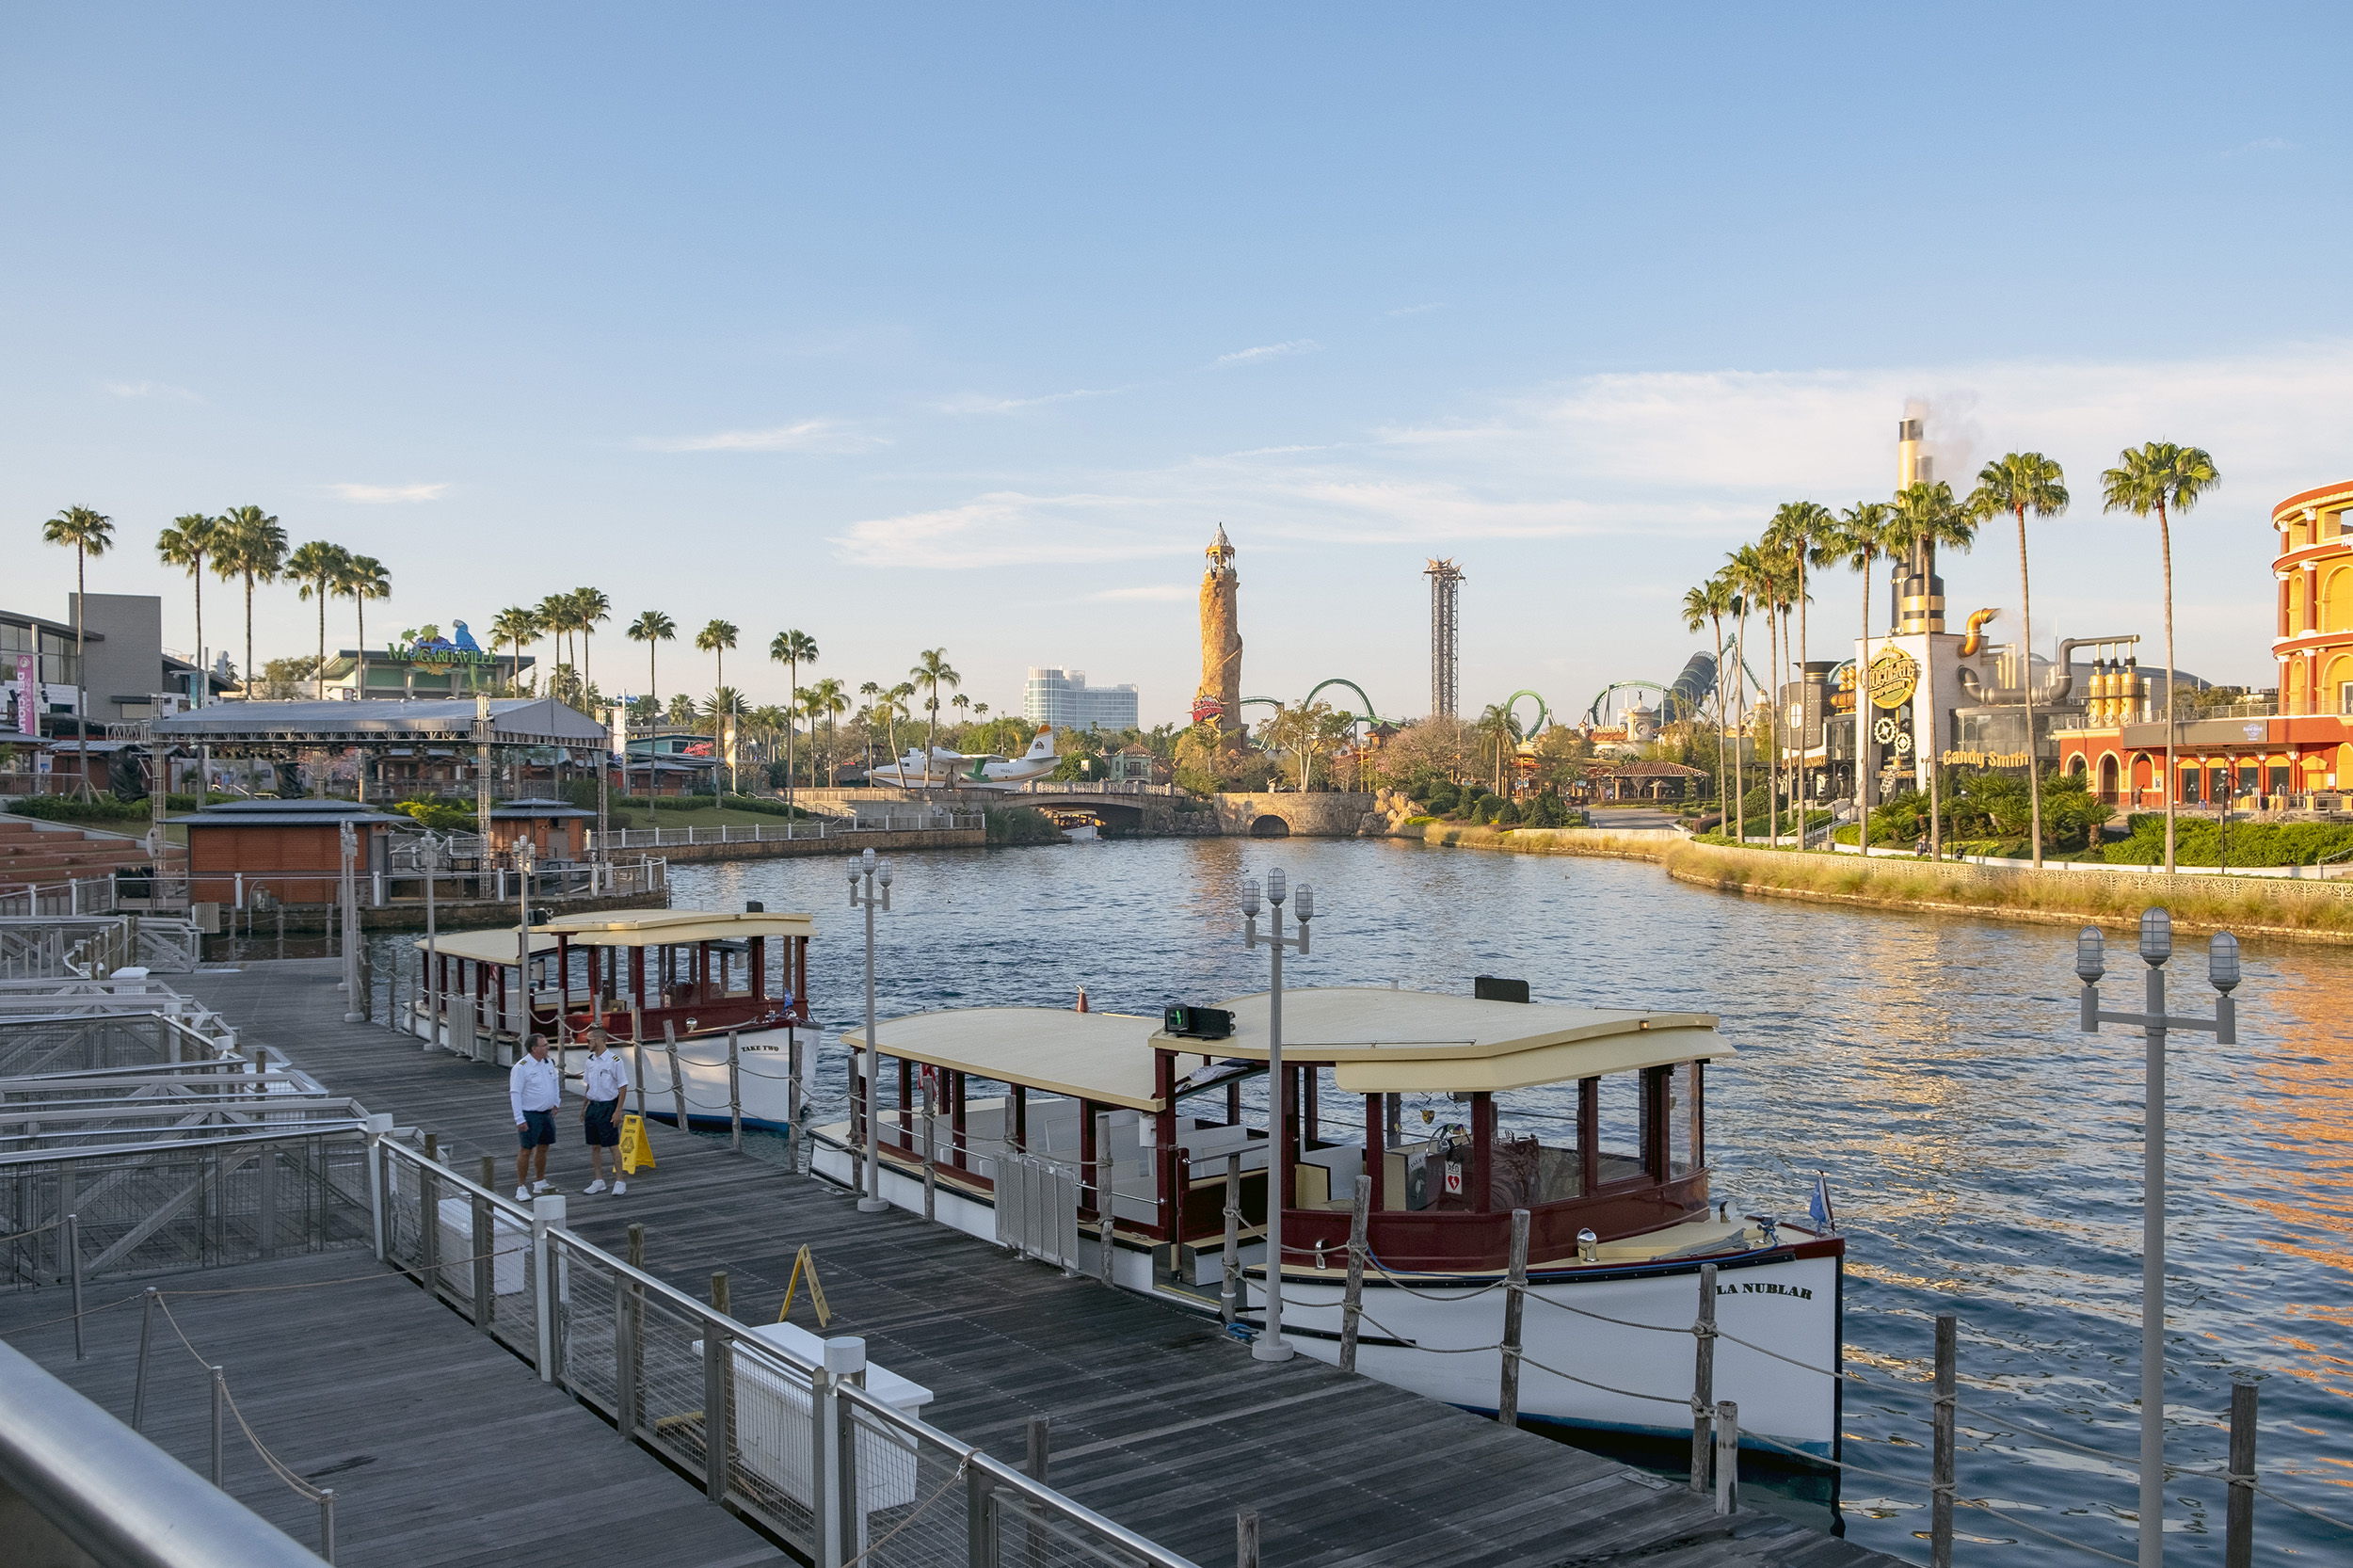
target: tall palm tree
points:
(715, 638)
(319, 566)
(931, 667)
(363, 578)
(589, 606)
(832, 701)
(254, 548)
(554, 615)
(791, 649)
(1706, 605)
(1801, 528)
(185, 543)
(2020, 483)
(516, 625)
(1861, 539)
(2163, 478)
(1929, 515)
(652, 628)
(1749, 573)
(89, 533)
(895, 706)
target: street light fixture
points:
(1270, 1345)
(2222, 972)
(877, 877)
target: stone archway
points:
(2108, 771)
(1269, 826)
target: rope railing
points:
(321, 1497)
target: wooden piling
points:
(1702, 1377)
(1352, 1302)
(1514, 1308)
(735, 1095)
(1106, 1183)
(1727, 1456)
(1246, 1539)
(677, 1084)
(1940, 1462)
(2238, 1528)
(719, 1292)
(1229, 1292)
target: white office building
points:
(1063, 698)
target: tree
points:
(715, 638)
(554, 615)
(791, 649)
(253, 548)
(363, 578)
(185, 543)
(2162, 477)
(517, 624)
(1498, 733)
(1861, 539)
(828, 699)
(2018, 483)
(1745, 571)
(1929, 515)
(90, 533)
(1709, 603)
(1802, 529)
(652, 628)
(589, 606)
(931, 667)
(318, 566)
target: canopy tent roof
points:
(1383, 1042)
(514, 721)
(645, 928)
(507, 809)
(495, 946)
(293, 813)
(1106, 1057)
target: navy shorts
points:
(538, 1127)
(604, 1125)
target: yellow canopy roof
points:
(641, 928)
(1385, 1042)
(494, 946)
(1097, 1056)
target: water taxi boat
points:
(695, 977)
(1458, 1111)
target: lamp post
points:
(1270, 1345)
(877, 877)
(429, 857)
(2156, 946)
(347, 894)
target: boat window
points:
(1536, 1158)
(1683, 1119)
(1619, 1120)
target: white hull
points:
(1790, 1306)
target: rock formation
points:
(1220, 696)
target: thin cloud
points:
(1271, 351)
(974, 404)
(381, 495)
(151, 389)
(1170, 591)
(810, 435)
(2262, 144)
(1417, 309)
(1016, 528)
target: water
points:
(1984, 1157)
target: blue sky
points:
(964, 327)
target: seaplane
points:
(969, 770)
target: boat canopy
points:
(1385, 1042)
(494, 946)
(1105, 1057)
(648, 928)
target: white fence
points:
(889, 820)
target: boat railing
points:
(794, 1443)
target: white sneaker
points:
(596, 1185)
(543, 1186)
(619, 1187)
(523, 1194)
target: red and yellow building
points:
(2292, 754)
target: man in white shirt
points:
(603, 1085)
(534, 1088)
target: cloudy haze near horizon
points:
(947, 327)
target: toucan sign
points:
(1894, 676)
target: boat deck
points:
(1161, 1421)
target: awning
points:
(495, 946)
(1106, 1057)
(641, 928)
(514, 721)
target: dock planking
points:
(443, 1448)
(1159, 1420)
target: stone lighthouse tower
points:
(1220, 696)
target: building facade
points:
(123, 667)
(1062, 698)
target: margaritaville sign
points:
(427, 650)
(1894, 676)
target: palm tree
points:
(1498, 728)
(554, 615)
(651, 627)
(1927, 515)
(2018, 483)
(185, 543)
(831, 701)
(791, 649)
(319, 566)
(931, 667)
(1748, 572)
(253, 548)
(715, 638)
(980, 709)
(1861, 539)
(363, 578)
(589, 606)
(1802, 528)
(1707, 604)
(516, 625)
(2162, 477)
(893, 707)
(90, 533)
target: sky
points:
(962, 326)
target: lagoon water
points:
(1984, 1157)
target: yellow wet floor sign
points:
(801, 1261)
(636, 1152)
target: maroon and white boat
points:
(1589, 1119)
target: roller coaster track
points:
(1367, 715)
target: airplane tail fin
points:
(1042, 747)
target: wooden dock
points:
(1159, 1420)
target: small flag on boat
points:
(1818, 1208)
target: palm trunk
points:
(203, 679)
(1740, 699)
(248, 635)
(793, 673)
(2026, 684)
(318, 676)
(1804, 717)
(359, 677)
(1772, 724)
(1720, 722)
(2165, 543)
(80, 685)
(1863, 722)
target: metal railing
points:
(402, 885)
(800, 1448)
(81, 895)
(1037, 1207)
(39, 947)
(786, 832)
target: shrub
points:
(437, 816)
(73, 808)
(1508, 814)
(1021, 825)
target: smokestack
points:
(1920, 595)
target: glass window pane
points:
(1619, 1104)
(1683, 1118)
